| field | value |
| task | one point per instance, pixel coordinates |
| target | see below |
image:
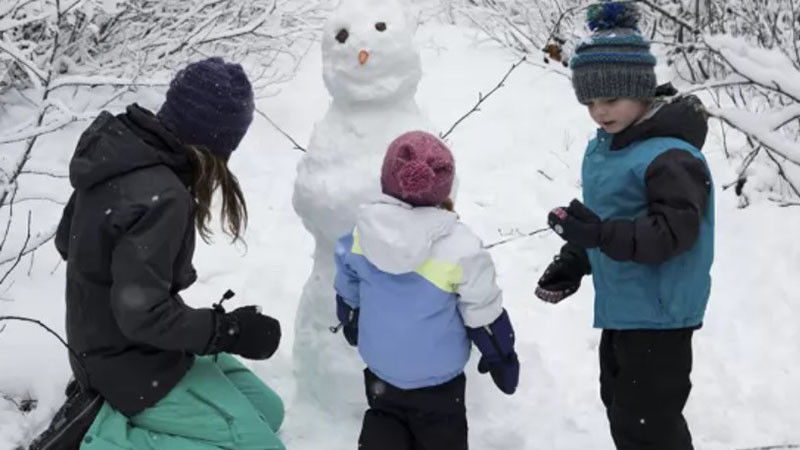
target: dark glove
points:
(561, 279)
(496, 343)
(348, 318)
(246, 332)
(576, 224)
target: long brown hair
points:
(211, 173)
(448, 205)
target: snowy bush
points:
(745, 54)
(542, 27)
(50, 50)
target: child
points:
(414, 286)
(143, 185)
(645, 232)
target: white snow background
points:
(516, 159)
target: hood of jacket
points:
(396, 237)
(115, 145)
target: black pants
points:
(432, 418)
(644, 384)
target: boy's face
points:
(617, 114)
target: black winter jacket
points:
(128, 237)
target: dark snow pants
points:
(432, 418)
(644, 384)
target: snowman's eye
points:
(380, 26)
(342, 36)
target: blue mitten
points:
(496, 343)
(348, 317)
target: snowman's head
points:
(368, 52)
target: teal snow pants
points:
(217, 405)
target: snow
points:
(745, 382)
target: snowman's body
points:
(371, 70)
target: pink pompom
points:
(416, 178)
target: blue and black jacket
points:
(651, 186)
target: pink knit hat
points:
(418, 169)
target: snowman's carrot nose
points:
(363, 56)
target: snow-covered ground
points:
(517, 158)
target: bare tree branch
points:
(95, 81)
(774, 447)
(44, 174)
(782, 174)
(515, 238)
(667, 14)
(482, 98)
(18, 258)
(10, 218)
(48, 329)
(39, 241)
(280, 130)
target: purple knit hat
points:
(209, 103)
(418, 169)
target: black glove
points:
(561, 279)
(576, 224)
(245, 332)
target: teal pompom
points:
(609, 15)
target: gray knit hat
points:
(615, 62)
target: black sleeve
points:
(64, 226)
(678, 188)
(142, 274)
(576, 255)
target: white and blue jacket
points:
(418, 277)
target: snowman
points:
(371, 68)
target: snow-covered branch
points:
(770, 69)
(482, 98)
(761, 130)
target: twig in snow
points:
(58, 264)
(783, 174)
(280, 130)
(10, 216)
(774, 447)
(507, 240)
(26, 405)
(544, 174)
(39, 199)
(7, 397)
(30, 265)
(482, 98)
(21, 252)
(41, 241)
(42, 173)
(49, 330)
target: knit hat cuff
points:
(614, 81)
